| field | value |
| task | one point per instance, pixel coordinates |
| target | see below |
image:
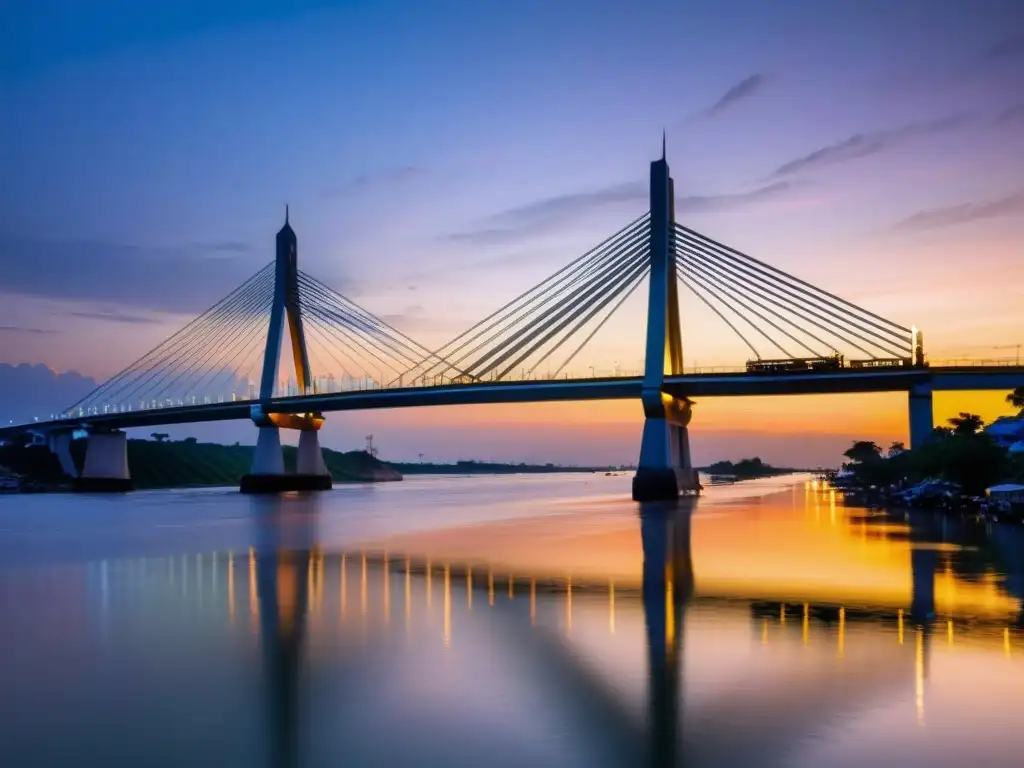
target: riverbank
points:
(181, 464)
(493, 468)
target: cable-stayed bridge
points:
(225, 364)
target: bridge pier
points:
(665, 470)
(922, 419)
(268, 474)
(106, 464)
(59, 444)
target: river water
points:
(505, 621)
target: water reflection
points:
(288, 651)
(285, 533)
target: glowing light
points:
(447, 607)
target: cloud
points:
(1011, 114)
(114, 316)
(549, 213)
(746, 87)
(228, 246)
(181, 280)
(731, 201)
(386, 176)
(552, 213)
(407, 316)
(1006, 48)
(36, 391)
(865, 144)
(24, 329)
(949, 216)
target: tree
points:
(896, 448)
(863, 451)
(966, 423)
(1016, 398)
(159, 436)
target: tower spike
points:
(286, 211)
(662, 143)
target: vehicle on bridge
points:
(796, 365)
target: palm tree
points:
(966, 423)
(1016, 398)
(896, 448)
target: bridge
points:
(224, 365)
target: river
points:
(541, 620)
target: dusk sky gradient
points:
(441, 157)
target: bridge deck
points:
(624, 388)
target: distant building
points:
(1006, 431)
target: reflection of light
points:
(842, 632)
(447, 607)
(231, 585)
(511, 592)
(408, 595)
(287, 588)
(949, 631)
(533, 601)
(670, 614)
(611, 607)
(387, 591)
(568, 604)
(764, 632)
(430, 581)
(254, 605)
(782, 614)
(469, 588)
(490, 587)
(806, 629)
(199, 578)
(343, 588)
(919, 677)
(899, 625)
(1006, 640)
(362, 587)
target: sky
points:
(440, 158)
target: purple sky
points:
(440, 158)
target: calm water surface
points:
(512, 621)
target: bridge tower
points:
(665, 469)
(268, 472)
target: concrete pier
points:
(106, 464)
(268, 473)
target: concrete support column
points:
(60, 445)
(922, 420)
(268, 474)
(310, 460)
(106, 463)
(665, 469)
(268, 459)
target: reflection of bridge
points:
(344, 358)
(292, 591)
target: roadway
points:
(694, 385)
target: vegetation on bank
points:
(471, 467)
(163, 463)
(746, 469)
(959, 453)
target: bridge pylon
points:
(665, 469)
(268, 473)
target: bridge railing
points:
(331, 386)
(970, 362)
